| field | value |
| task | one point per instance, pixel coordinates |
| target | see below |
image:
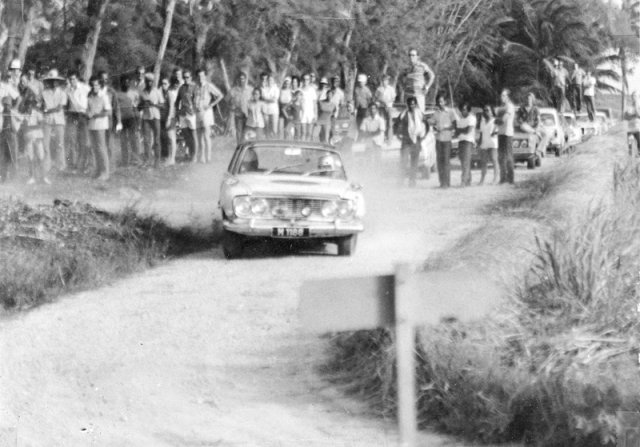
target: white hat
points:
(362, 77)
(53, 76)
(15, 65)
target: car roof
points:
(288, 143)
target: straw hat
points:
(362, 77)
(53, 75)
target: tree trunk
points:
(25, 42)
(201, 26)
(623, 90)
(230, 128)
(4, 32)
(289, 53)
(165, 39)
(91, 44)
(10, 47)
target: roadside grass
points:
(52, 249)
(551, 366)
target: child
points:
(33, 137)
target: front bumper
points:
(317, 230)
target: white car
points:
(572, 131)
(603, 121)
(551, 122)
(289, 190)
(589, 128)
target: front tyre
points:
(347, 245)
(232, 244)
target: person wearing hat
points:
(417, 78)
(285, 98)
(54, 101)
(151, 100)
(324, 88)
(9, 99)
(240, 95)
(385, 96)
(362, 97)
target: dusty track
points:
(202, 351)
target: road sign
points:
(401, 301)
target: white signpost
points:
(402, 301)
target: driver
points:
(326, 165)
(249, 161)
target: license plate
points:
(290, 232)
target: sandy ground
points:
(202, 351)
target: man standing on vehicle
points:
(559, 75)
(575, 88)
(417, 79)
(589, 85)
(528, 121)
(505, 117)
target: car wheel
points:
(531, 164)
(232, 244)
(558, 151)
(347, 245)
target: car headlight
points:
(524, 144)
(345, 208)
(515, 144)
(242, 206)
(329, 209)
(245, 206)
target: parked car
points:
(589, 128)
(289, 190)
(609, 114)
(572, 131)
(525, 149)
(601, 118)
(551, 122)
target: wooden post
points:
(405, 355)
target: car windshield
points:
(571, 121)
(583, 118)
(290, 160)
(547, 119)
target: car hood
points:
(292, 185)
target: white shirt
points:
(589, 85)
(386, 95)
(9, 90)
(507, 115)
(270, 96)
(487, 128)
(463, 123)
(78, 97)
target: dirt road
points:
(208, 352)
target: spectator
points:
(169, 90)
(77, 132)
(528, 121)
(295, 83)
(33, 82)
(9, 99)
(559, 76)
(33, 135)
(309, 107)
(632, 116)
(444, 123)
(506, 115)
(255, 116)
(54, 100)
(270, 94)
(372, 132)
(575, 88)
(185, 109)
(324, 88)
(385, 96)
(139, 80)
(488, 143)
(466, 132)
(338, 94)
(589, 86)
(293, 116)
(285, 98)
(115, 119)
(326, 110)
(417, 79)
(411, 129)
(240, 96)
(207, 97)
(129, 100)
(177, 74)
(98, 112)
(362, 97)
(151, 101)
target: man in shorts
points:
(207, 97)
(417, 79)
(185, 108)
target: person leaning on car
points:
(528, 121)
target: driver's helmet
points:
(326, 163)
(249, 161)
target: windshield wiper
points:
(282, 168)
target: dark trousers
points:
(100, 152)
(77, 136)
(635, 135)
(557, 97)
(241, 123)
(130, 141)
(588, 103)
(8, 152)
(575, 97)
(190, 141)
(464, 153)
(443, 155)
(505, 158)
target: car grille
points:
(294, 208)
